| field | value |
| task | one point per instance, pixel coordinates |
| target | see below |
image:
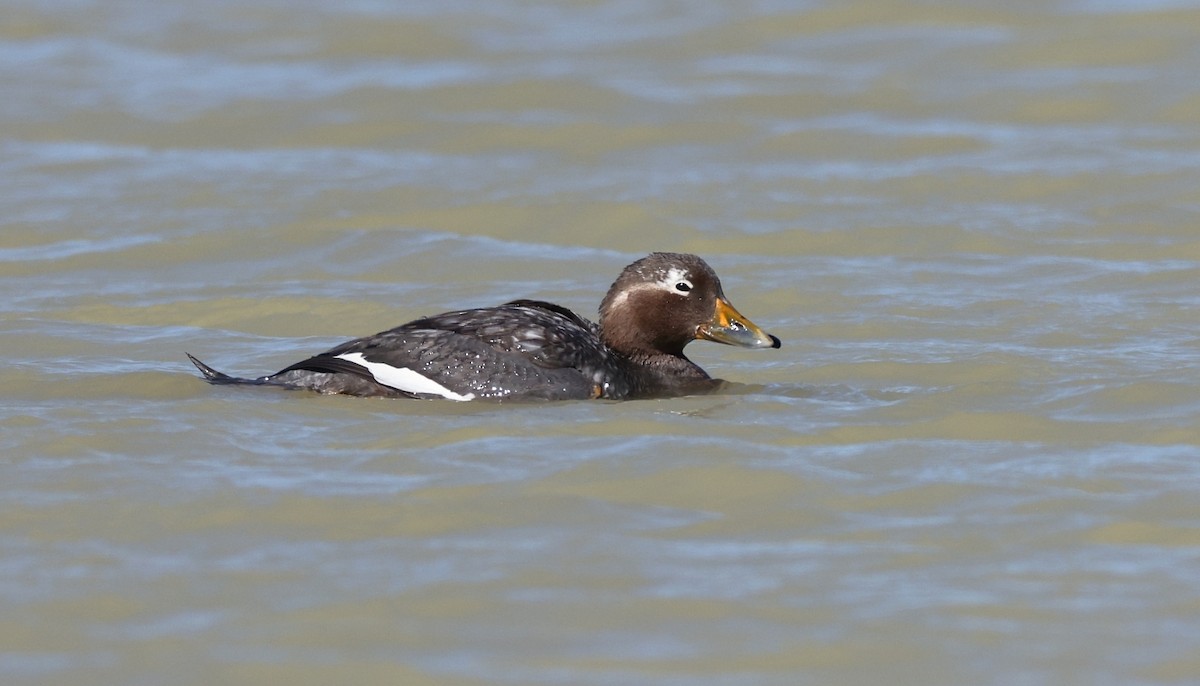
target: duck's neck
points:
(667, 375)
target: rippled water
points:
(974, 460)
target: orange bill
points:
(728, 326)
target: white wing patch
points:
(403, 378)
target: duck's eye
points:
(683, 286)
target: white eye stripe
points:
(676, 281)
(403, 378)
(670, 282)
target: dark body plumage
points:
(534, 350)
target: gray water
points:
(975, 460)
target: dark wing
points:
(540, 349)
(549, 335)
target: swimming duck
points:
(534, 350)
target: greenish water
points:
(974, 460)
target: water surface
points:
(974, 460)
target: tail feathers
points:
(316, 374)
(214, 377)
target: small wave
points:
(72, 248)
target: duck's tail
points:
(214, 377)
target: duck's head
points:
(664, 301)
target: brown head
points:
(664, 301)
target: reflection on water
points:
(973, 226)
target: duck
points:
(532, 350)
